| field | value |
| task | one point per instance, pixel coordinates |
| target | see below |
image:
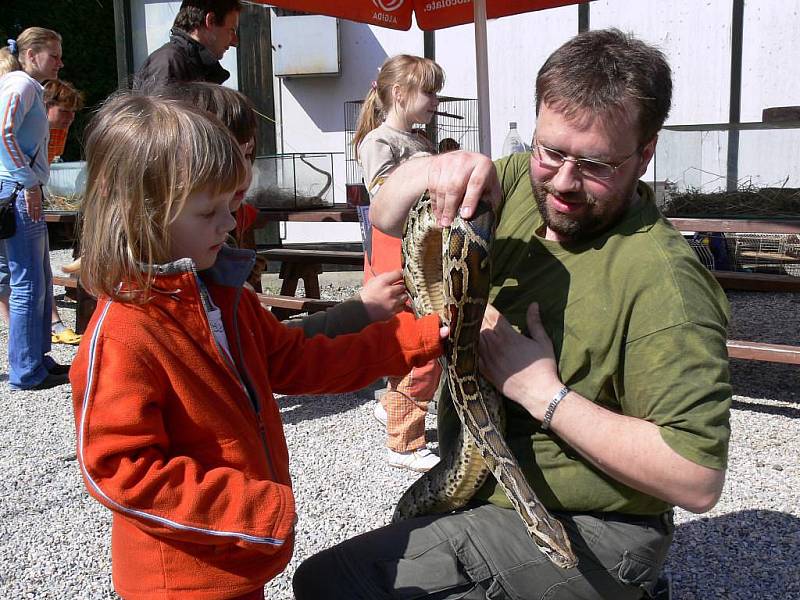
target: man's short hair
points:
(192, 14)
(603, 73)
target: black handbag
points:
(8, 221)
(8, 207)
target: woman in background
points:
(24, 64)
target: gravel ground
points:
(54, 540)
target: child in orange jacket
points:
(178, 430)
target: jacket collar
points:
(231, 269)
(209, 62)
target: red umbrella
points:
(431, 15)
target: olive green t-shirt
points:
(638, 326)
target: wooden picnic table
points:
(307, 264)
(331, 214)
(302, 263)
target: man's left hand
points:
(523, 368)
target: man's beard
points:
(596, 217)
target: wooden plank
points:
(737, 225)
(757, 282)
(294, 303)
(66, 281)
(769, 257)
(764, 352)
(297, 255)
(60, 216)
(333, 214)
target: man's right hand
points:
(457, 181)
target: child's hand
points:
(384, 295)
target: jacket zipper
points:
(246, 376)
(242, 378)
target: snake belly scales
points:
(447, 271)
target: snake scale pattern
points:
(447, 271)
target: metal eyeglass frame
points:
(537, 152)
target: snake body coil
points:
(447, 271)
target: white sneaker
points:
(420, 460)
(380, 414)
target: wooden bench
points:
(66, 281)
(760, 282)
(277, 303)
(305, 264)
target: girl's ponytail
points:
(8, 59)
(370, 117)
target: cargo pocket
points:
(637, 571)
(453, 569)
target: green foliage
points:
(87, 29)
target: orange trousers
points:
(406, 400)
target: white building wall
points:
(695, 35)
(310, 111)
(517, 47)
(770, 56)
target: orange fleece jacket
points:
(187, 448)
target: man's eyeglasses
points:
(553, 159)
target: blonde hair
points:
(144, 156)
(412, 73)
(33, 38)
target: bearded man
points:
(606, 337)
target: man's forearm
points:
(389, 208)
(632, 451)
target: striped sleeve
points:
(14, 106)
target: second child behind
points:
(179, 434)
(378, 300)
(404, 95)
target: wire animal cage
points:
(454, 127)
(765, 252)
(703, 252)
(292, 181)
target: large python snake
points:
(447, 271)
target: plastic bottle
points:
(513, 142)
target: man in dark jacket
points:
(203, 30)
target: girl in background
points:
(178, 431)
(404, 95)
(62, 101)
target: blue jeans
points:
(28, 254)
(5, 276)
